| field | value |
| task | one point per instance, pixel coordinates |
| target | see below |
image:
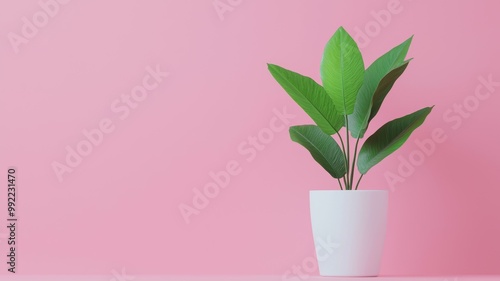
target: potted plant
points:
(349, 98)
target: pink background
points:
(120, 207)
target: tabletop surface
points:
(244, 278)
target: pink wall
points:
(119, 208)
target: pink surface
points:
(247, 278)
(118, 207)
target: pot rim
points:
(363, 191)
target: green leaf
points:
(389, 138)
(311, 97)
(342, 70)
(385, 86)
(379, 79)
(322, 147)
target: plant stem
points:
(341, 140)
(340, 184)
(360, 177)
(354, 161)
(349, 184)
(345, 158)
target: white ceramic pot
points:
(349, 230)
